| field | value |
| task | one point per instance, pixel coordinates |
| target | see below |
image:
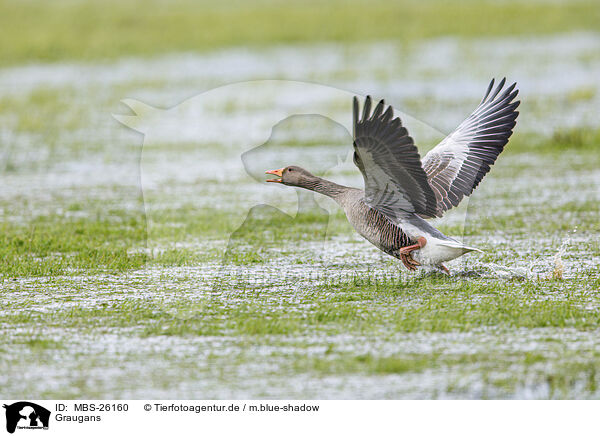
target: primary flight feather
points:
(401, 189)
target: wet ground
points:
(171, 270)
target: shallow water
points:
(437, 82)
(212, 151)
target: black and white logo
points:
(26, 415)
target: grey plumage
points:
(372, 224)
(456, 165)
(390, 164)
(400, 190)
(369, 222)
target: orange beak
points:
(278, 173)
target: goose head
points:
(292, 176)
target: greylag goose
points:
(401, 190)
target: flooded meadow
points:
(143, 254)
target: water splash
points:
(559, 264)
(504, 272)
(538, 268)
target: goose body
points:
(401, 190)
(390, 237)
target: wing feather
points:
(389, 161)
(456, 166)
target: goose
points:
(401, 191)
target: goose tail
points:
(460, 246)
(467, 249)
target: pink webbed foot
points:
(406, 257)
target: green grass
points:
(82, 294)
(369, 303)
(53, 245)
(113, 240)
(559, 378)
(370, 308)
(67, 29)
(39, 345)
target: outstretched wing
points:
(457, 164)
(395, 182)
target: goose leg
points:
(406, 257)
(409, 262)
(443, 269)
